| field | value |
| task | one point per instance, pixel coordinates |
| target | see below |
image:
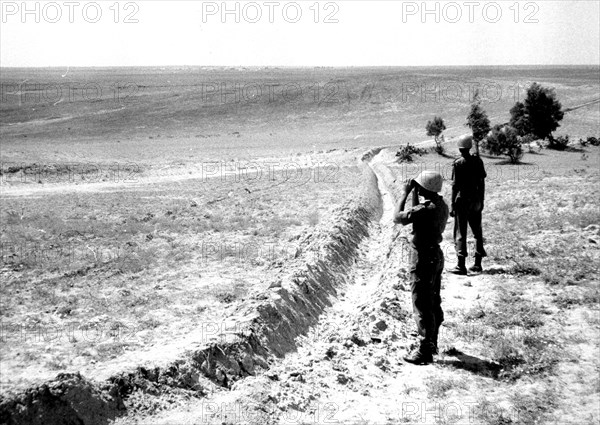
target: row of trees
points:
(534, 119)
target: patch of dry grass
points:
(157, 259)
(542, 237)
(549, 229)
(439, 386)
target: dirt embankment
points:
(267, 326)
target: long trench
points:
(339, 268)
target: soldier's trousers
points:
(471, 215)
(426, 278)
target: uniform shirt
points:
(429, 221)
(468, 176)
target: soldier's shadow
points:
(472, 364)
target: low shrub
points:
(504, 140)
(405, 154)
(593, 141)
(559, 143)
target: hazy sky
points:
(366, 33)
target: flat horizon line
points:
(297, 66)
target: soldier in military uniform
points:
(468, 193)
(427, 260)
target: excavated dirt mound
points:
(68, 399)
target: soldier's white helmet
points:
(430, 180)
(465, 142)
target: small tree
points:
(504, 140)
(435, 128)
(478, 121)
(539, 115)
(519, 119)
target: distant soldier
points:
(468, 193)
(426, 259)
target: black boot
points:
(460, 268)
(476, 268)
(422, 355)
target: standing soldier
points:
(426, 258)
(468, 192)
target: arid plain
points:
(142, 208)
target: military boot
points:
(460, 268)
(476, 268)
(421, 355)
(419, 358)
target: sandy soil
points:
(349, 368)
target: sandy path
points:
(18, 186)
